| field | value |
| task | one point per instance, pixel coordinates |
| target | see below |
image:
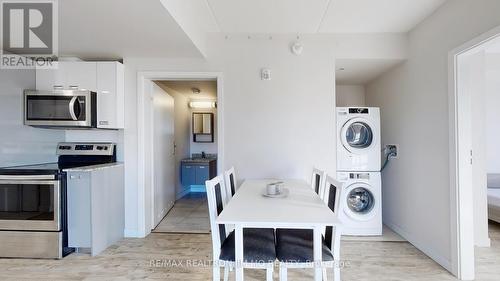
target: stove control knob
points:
(100, 148)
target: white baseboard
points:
(415, 241)
(132, 233)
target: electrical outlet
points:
(392, 149)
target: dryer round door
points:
(360, 202)
(357, 135)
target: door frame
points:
(461, 207)
(145, 189)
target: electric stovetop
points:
(36, 169)
(71, 155)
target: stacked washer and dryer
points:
(358, 167)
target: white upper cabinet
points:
(48, 79)
(81, 75)
(110, 95)
(106, 78)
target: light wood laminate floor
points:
(139, 259)
(189, 215)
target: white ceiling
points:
(93, 29)
(365, 16)
(325, 16)
(265, 16)
(208, 88)
(362, 71)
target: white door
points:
(163, 153)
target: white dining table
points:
(301, 209)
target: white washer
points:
(361, 203)
(358, 143)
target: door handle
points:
(72, 108)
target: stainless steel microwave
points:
(60, 108)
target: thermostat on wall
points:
(265, 74)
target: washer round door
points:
(360, 203)
(357, 135)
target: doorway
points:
(474, 92)
(194, 156)
(183, 194)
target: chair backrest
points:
(216, 195)
(318, 181)
(332, 196)
(230, 179)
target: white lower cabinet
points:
(96, 210)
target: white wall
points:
(278, 128)
(21, 144)
(414, 106)
(182, 125)
(493, 112)
(350, 95)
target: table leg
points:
(318, 255)
(238, 240)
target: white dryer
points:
(361, 203)
(358, 139)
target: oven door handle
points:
(72, 108)
(27, 177)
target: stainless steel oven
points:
(30, 216)
(60, 108)
(30, 202)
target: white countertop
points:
(94, 167)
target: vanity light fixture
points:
(202, 104)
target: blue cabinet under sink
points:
(196, 173)
(187, 174)
(201, 175)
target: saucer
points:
(284, 193)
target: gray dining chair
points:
(230, 179)
(318, 181)
(294, 247)
(259, 249)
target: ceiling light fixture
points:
(202, 104)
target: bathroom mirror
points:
(203, 127)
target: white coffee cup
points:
(272, 189)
